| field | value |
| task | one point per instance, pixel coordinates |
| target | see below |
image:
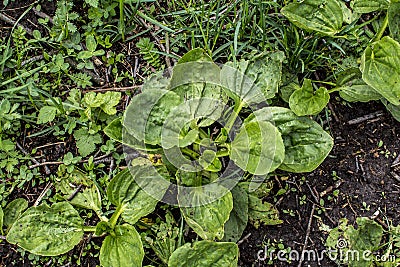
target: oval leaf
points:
(322, 16)
(116, 131)
(394, 20)
(205, 254)
(47, 231)
(380, 65)
(306, 142)
(13, 210)
(368, 6)
(124, 191)
(146, 114)
(353, 88)
(207, 220)
(123, 249)
(258, 148)
(239, 216)
(305, 101)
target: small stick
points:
(316, 198)
(396, 162)
(243, 239)
(47, 170)
(47, 188)
(45, 163)
(365, 118)
(11, 21)
(75, 192)
(51, 144)
(395, 176)
(307, 235)
(333, 112)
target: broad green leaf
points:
(394, 20)
(368, 6)
(122, 249)
(262, 212)
(306, 143)
(85, 54)
(380, 68)
(239, 216)
(209, 161)
(145, 115)
(125, 193)
(47, 114)
(322, 16)
(13, 210)
(89, 198)
(196, 79)
(190, 112)
(255, 80)
(353, 88)
(207, 220)
(188, 138)
(117, 132)
(365, 238)
(47, 231)
(287, 90)
(195, 55)
(205, 254)
(348, 16)
(156, 82)
(394, 110)
(266, 72)
(88, 195)
(258, 148)
(305, 101)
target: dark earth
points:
(362, 166)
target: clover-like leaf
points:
(205, 254)
(258, 148)
(325, 17)
(306, 101)
(380, 68)
(306, 143)
(122, 249)
(47, 231)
